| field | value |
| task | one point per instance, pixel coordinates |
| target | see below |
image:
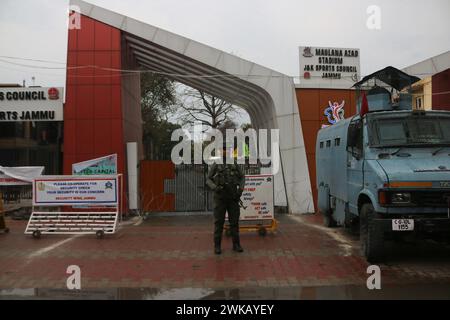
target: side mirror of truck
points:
(355, 152)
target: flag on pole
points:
(364, 106)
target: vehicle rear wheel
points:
(371, 237)
(328, 220)
(262, 231)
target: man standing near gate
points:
(227, 181)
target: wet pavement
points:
(346, 292)
(172, 258)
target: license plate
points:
(403, 224)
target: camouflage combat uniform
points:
(227, 182)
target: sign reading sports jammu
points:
(31, 104)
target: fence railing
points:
(16, 194)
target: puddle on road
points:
(347, 292)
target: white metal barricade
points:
(99, 223)
(91, 221)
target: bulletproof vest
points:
(227, 175)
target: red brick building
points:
(440, 86)
(102, 111)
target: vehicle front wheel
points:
(262, 231)
(371, 236)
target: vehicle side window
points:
(354, 139)
(391, 132)
(328, 143)
(337, 142)
(321, 144)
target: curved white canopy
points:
(267, 95)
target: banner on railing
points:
(99, 166)
(75, 190)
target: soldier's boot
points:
(217, 246)
(237, 245)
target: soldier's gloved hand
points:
(218, 188)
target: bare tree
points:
(200, 107)
(158, 100)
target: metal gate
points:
(191, 192)
(190, 189)
(166, 187)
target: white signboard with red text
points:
(325, 67)
(31, 104)
(258, 198)
(75, 190)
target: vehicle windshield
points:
(411, 130)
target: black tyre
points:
(328, 220)
(262, 231)
(100, 234)
(352, 226)
(36, 234)
(371, 236)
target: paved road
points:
(175, 253)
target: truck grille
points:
(431, 199)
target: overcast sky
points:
(267, 32)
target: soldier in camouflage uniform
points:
(227, 182)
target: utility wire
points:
(35, 60)
(124, 74)
(139, 71)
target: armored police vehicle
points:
(386, 169)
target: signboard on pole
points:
(258, 198)
(99, 166)
(31, 104)
(322, 67)
(75, 190)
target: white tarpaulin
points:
(15, 176)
